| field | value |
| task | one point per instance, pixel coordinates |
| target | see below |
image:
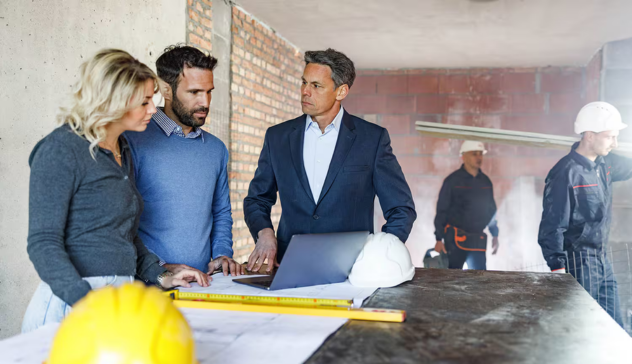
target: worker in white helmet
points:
(578, 205)
(465, 208)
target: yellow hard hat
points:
(131, 324)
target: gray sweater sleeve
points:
(55, 177)
(147, 263)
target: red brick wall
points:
(543, 100)
(266, 74)
(200, 24)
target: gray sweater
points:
(83, 216)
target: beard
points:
(186, 116)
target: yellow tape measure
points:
(368, 314)
(259, 300)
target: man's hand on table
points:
(266, 248)
(177, 268)
(227, 265)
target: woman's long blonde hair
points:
(110, 84)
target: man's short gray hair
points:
(342, 68)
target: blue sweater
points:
(184, 183)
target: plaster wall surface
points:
(42, 44)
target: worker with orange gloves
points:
(465, 208)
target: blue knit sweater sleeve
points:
(222, 235)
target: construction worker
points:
(578, 205)
(465, 207)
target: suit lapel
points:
(346, 137)
(297, 138)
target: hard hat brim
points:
(617, 127)
(473, 150)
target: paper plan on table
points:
(229, 336)
(220, 337)
(224, 285)
(28, 348)
(249, 337)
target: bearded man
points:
(181, 170)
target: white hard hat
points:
(470, 145)
(597, 117)
(383, 262)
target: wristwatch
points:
(161, 279)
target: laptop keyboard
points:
(264, 281)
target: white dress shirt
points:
(318, 149)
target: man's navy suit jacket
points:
(362, 166)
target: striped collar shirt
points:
(170, 127)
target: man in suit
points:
(327, 167)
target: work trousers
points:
(594, 272)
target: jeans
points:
(456, 257)
(46, 308)
(594, 272)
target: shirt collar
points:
(123, 142)
(587, 163)
(169, 126)
(466, 173)
(335, 124)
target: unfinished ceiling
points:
(450, 33)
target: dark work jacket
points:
(578, 205)
(362, 166)
(466, 202)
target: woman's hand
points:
(184, 276)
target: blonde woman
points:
(83, 206)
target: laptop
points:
(313, 259)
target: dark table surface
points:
(456, 316)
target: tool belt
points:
(463, 240)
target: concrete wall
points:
(208, 28)
(42, 43)
(617, 76)
(615, 87)
(221, 40)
